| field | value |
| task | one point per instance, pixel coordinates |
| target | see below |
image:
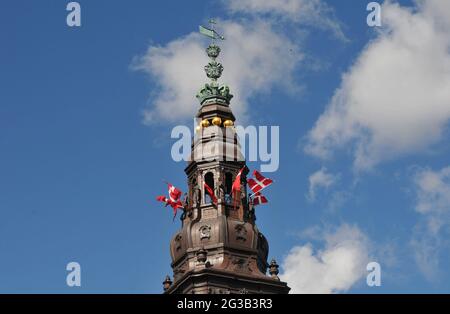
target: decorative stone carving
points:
(241, 232)
(210, 91)
(201, 255)
(224, 91)
(178, 242)
(241, 264)
(197, 196)
(273, 270)
(213, 51)
(167, 283)
(220, 190)
(205, 232)
(214, 70)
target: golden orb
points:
(217, 121)
(228, 123)
(205, 123)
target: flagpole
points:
(212, 22)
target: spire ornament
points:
(213, 69)
(273, 269)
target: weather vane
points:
(210, 32)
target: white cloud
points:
(335, 268)
(433, 202)
(177, 73)
(320, 179)
(257, 55)
(252, 58)
(426, 249)
(433, 192)
(338, 199)
(395, 99)
(308, 12)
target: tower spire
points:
(219, 248)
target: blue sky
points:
(85, 141)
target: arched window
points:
(209, 180)
(228, 182)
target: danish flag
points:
(173, 200)
(236, 187)
(237, 182)
(174, 193)
(259, 199)
(259, 182)
(211, 193)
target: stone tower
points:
(219, 248)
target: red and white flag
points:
(259, 182)
(237, 182)
(236, 187)
(173, 200)
(259, 199)
(163, 199)
(211, 193)
(174, 193)
(168, 201)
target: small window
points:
(228, 182)
(209, 180)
